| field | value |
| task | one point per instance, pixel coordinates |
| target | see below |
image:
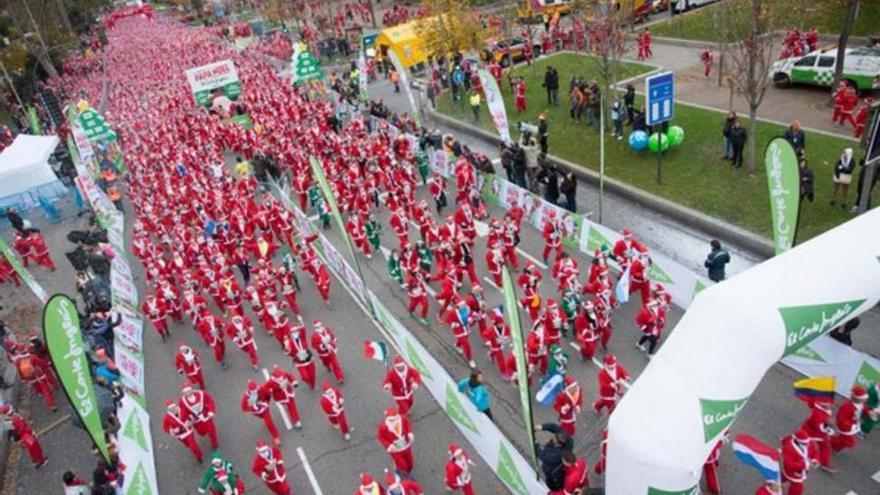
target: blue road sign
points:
(660, 96)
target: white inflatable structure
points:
(691, 392)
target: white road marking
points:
(431, 292)
(284, 416)
(385, 252)
(314, 481)
(532, 259)
(490, 282)
(314, 217)
(851, 493)
(876, 477)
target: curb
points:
(686, 43)
(688, 216)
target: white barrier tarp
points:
(25, 164)
(722, 347)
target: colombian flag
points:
(816, 389)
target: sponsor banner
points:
(130, 330)
(61, 332)
(338, 264)
(23, 274)
(95, 127)
(488, 441)
(404, 82)
(205, 79)
(441, 162)
(305, 66)
(699, 381)
(783, 182)
(134, 439)
(495, 102)
(131, 369)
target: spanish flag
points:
(816, 389)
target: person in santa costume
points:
(437, 188)
(369, 486)
(710, 469)
(23, 433)
(638, 276)
(401, 381)
(612, 380)
(268, 465)
(189, 364)
(296, 345)
(324, 343)
(280, 387)
(417, 295)
(256, 402)
(197, 407)
(529, 280)
(494, 262)
(577, 480)
(289, 289)
(458, 320)
(552, 233)
(537, 350)
(397, 486)
(604, 302)
(796, 461)
(220, 478)
(241, 331)
(626, 249)
(356, 229)
(211, 328)
(448, 294)
(848, 420)
(39, 250)
(586, 329)
(395, 433)
(818, 427)
(174, 424)
(554, 321)
(154, 309)
(36, 370)
(458, 471)
(648, 322)
(599, 468)
(333, 404)
(497, 336)
(770, 487)
(568, 405)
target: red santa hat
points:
(261, 446)
(366, 479)
(659, 289)
(398, 359)
(186, 387)
(454, 450)
(5, 409)
(170, 404)
(317, 323)
(610, 360)
(391, 411)
(251, 386)
(801, 436)
(627, 234)
(569, 381)
(551, 302)
(859, 393)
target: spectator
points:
(617, 118)
(795, 135)
(476, 392)
(807, 179)
(842, 178)
(74, 485)
(542, 132)
(843, 333)
(551, 454)
(728, 130)
(738, 138)
(520, 165)
(549, 176)
(638, 120)
(395, 79)
(716, 261)
(569, 189)
(629, 103)
(474, 101)
(507, 159)
(551, 83)
(432, 95)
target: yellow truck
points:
(532, 10)
(404, 40)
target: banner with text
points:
(218, 75)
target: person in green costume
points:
(571, 301)
(394, 267)
(374, 230)
(220, 478)
(422, 160)
(871, 411)
(426, 257)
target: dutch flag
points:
(759, 456)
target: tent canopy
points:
(25, 164)
(405, 42)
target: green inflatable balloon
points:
(654, 142)
(676, 136)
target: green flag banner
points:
(23, 274)
(783, 181)
(61, 332)
(305, 66)
(512, 311)
(95, 126)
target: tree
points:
(607, 28)
(745, 28)
(450, 27)
(852, 11)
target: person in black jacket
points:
(716, 261)
(807, 179)
(629, 102)
(542, 132)
(638, 120)
(795, 135)
(569, 189)
(728, 128)
(551, 82)
(738, 138)
(14, 218)
(520, 165)
(549, 176)
(550, 454)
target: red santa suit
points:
(288, 290)
(210, 327)
(268, 465)
(710, 469)
(256, 402)
(638, 277)
(554, 320)
(333, 404)
(280, 387)
(536, 351)
(604, 302)
(355, 228)
(418, 297)
(241, 331)
(519, 90)
(198, 408)
(586, 330)
(818, 427)
(174, 424)
(400, 226)
(510, 238)
(324, 343)
(494, 262)
(458, 471)
(369, 486)
(40, 251)
(848, 420)
(568, 404)
(497, 335)
(401, 381)
(188, 364)
(296, 345)
(795, 461)
(396, 436)
(611, 378)
(22, 429)
(599, 468)
(528, 281)
(154, 309)
(400, 486)
(552, 237)
(460, 330)
(627, 248)
(577, 479)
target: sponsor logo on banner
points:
(656, 274)
(804, 324)
(595, 240)
(456, 411)
(508, 472)
(808, 352)
(134, 430)
(698, 287)
(867, 375)
(139, 484)
(689, 491)
(783, 181)
(718, 415)
(413, 354)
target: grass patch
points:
(694, 174)
(697, 25)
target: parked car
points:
(508, 51)
(861, 68)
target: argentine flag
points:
(621, 291)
